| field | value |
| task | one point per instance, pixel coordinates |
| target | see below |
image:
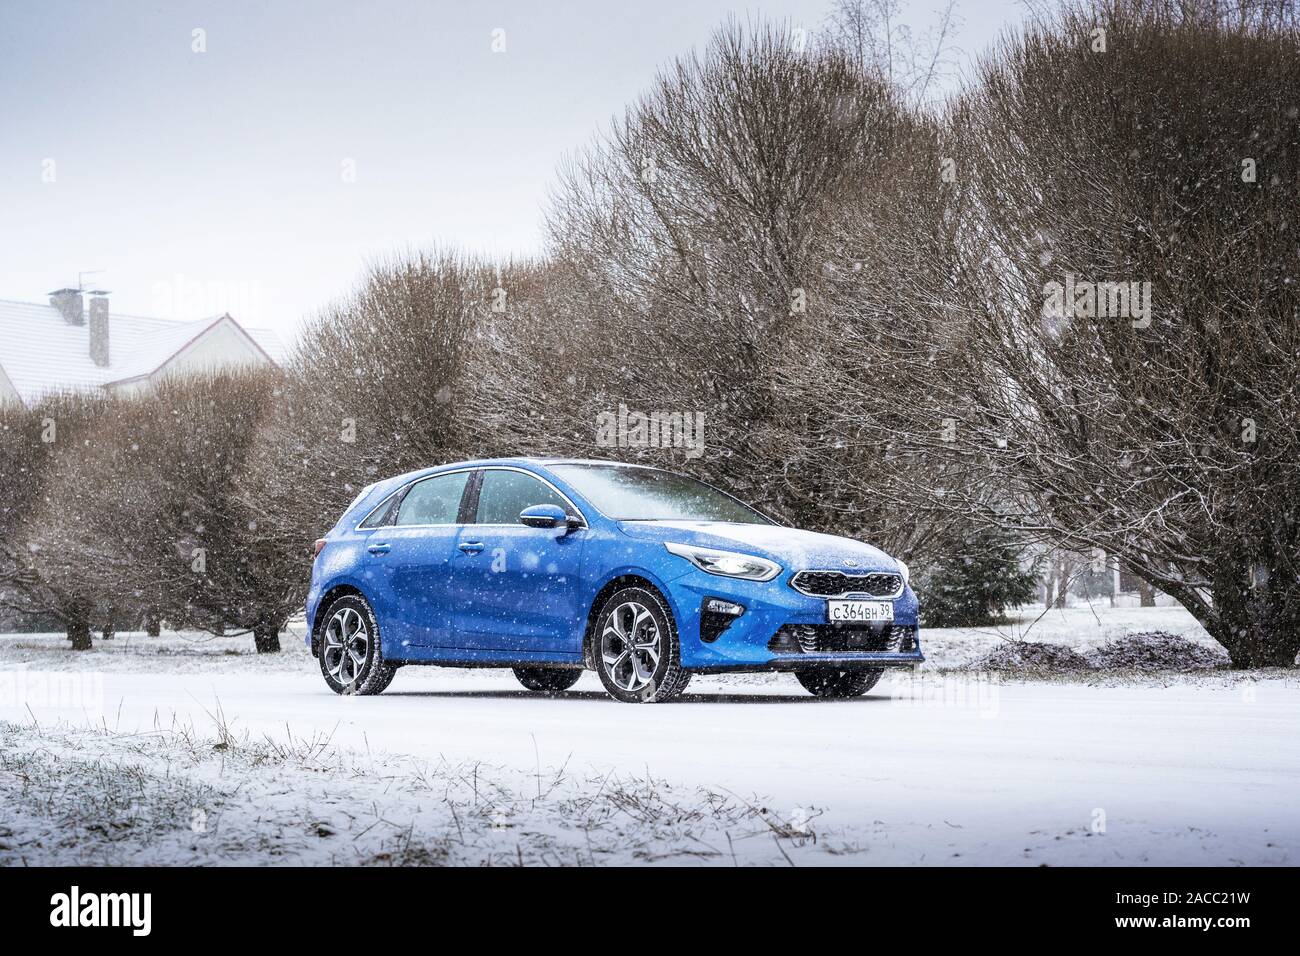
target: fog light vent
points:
(908, 644)
(716, 616)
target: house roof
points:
(41, 353)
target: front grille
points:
(843, 638)
(881, 584)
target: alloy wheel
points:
(347, 643)
(631, 645)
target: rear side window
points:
(382, 516)
(506, 493)
(435, 500)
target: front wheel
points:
(351, 658)
(547, 680)
(839, 683)
(636, 650)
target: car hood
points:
(791, 548)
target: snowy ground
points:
(179, 750)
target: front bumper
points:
(750, 642)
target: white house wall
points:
(133, 387)
(222, 346)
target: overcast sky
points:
(311, 138)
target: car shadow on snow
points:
(595, 695)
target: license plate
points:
(859, 612)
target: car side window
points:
(506, 493)
(435, 500)
(381, 517)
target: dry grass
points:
(179, 796)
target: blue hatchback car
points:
(553, 566)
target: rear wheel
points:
(830, 683)
(548, 680)
(636, 649)
(351, 658)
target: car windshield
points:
(646, 494)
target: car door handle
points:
(471, 547)
(379, 548)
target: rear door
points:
(517, 588)
(410, 557)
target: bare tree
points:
(1128, 299)
(862, 365)
(693, 235)
(144, 517)
(35, 444)
(875, 34)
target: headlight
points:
(903, 570)
(729, 564)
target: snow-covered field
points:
(185, 750)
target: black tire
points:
(548, 680)
(830, 683)
(665, 679)
(346, 675)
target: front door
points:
(516, 589)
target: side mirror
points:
(547, 516)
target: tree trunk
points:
(1146, 594)
(266, 638)
(1258, 626)
(1261, 645)
(1064, 570)
(79, 635)
(152, 624)
(1051, 584)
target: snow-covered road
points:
(950, 769)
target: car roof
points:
(535, 461)
(585, 461)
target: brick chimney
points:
(99, 328)
(70, 305)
